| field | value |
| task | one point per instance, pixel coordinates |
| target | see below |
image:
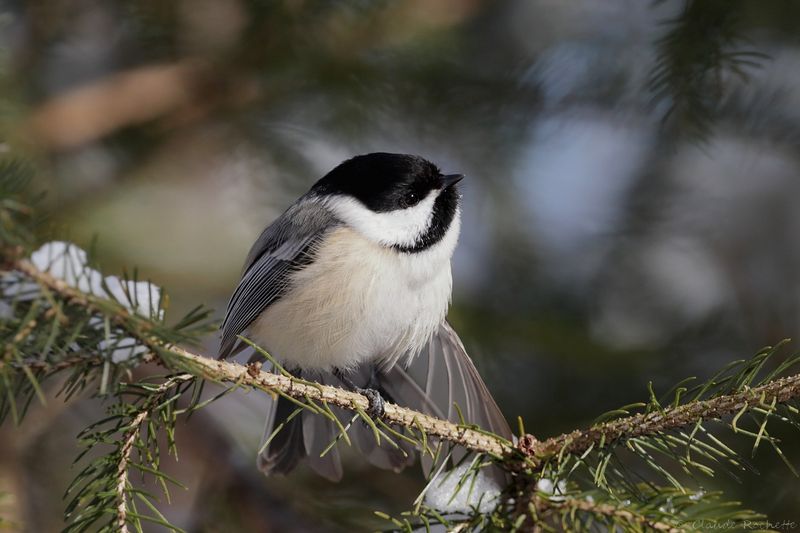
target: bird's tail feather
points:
(286, 449)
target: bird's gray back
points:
(283, 247)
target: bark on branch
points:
(529, 449)
(229, 372)
(643, 424)
(128, 443)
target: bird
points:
(350, 287)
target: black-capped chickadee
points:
(350, 286)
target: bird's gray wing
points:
(443, 382)
(442, 377)
(282, 248)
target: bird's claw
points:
(376, 407)
(376, 401)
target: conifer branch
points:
(779, 391)
(51, 368)
(124, 318)
(570, 505)
(642, 424)
(177, 358)
(128, 443)
(122, 470)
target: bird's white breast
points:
(359, 301)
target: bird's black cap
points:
(384, 181)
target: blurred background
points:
(630, 211)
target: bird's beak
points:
(449, 180)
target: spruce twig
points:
(639, 425)
(184, 360)
(129, 441)
(648, 424)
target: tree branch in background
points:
(182, 91)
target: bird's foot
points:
(376, 407)
(376, 401)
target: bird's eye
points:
(410, 198)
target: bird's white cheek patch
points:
(403, 227)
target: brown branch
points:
(131, 97)
(128, 442)
(175, 93)
(533, 453)
(52, 367)
(643, 424)
(223, 371)
(122, 470)
(607, 510)
(21, 335)
(576, 442)
(394, 414)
